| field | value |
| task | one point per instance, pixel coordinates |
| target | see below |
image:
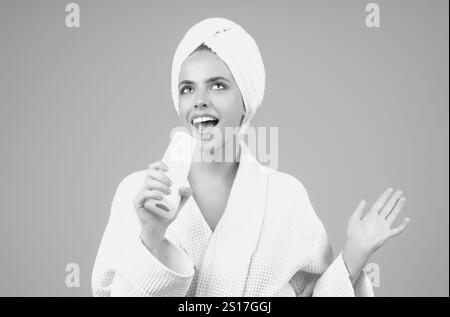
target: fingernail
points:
(162, 207)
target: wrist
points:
(357, 251)
(355, 259)
(152, 238)
(153, 230)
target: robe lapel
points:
(225, 265)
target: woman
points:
(247, 231)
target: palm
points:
(374, 229)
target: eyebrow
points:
(206, 81)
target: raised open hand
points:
(367, 233)
(374, 229)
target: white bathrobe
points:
(269, 242)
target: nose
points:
(200, 104)
(201, 98)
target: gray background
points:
(358, 110)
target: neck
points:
(216, 170)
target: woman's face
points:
(209, 98)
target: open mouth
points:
(201, 124)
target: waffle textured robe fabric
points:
(269, 242)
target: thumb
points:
(185, 193)
(358, 214)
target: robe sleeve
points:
(335, 280)
(325, 275)
(124, 266)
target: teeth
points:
(203, 119)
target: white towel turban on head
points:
(236, 48)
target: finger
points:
(391, 203)
(158, 165)
(153, 184)
(381, 201)
(400, 229)
(394, 213)
(358, 214)
(144, 195)
(159, 176)
(152, 194)
(153, 206)
(185, 193)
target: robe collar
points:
(224, 265)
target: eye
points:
(219, 84)
(183, 90)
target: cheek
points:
(183, 107)
(182, 115)
(182, 103)
(233, 110)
